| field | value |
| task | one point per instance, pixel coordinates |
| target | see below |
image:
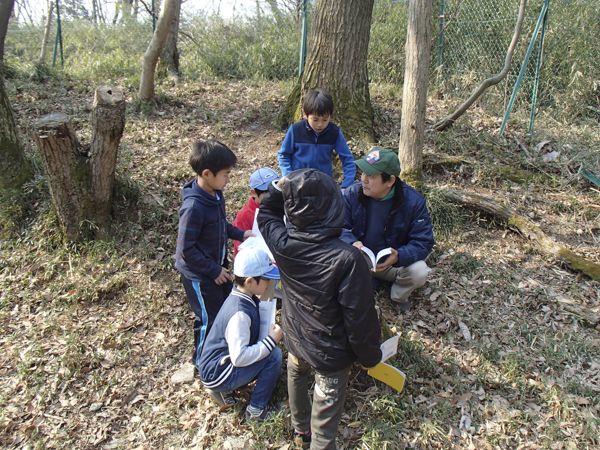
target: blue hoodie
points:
(203, 233)
(302, 148)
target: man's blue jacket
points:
(302, 148)
(407, 229)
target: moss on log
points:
(532, 232)
(528, 229)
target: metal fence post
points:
(153, 17)
(537, 68)
(303, 40)
(441, 36)
(524, 66)
(58, 41)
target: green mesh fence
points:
(102, 51)
(470, 48)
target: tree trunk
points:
(528, 229)
(47, 31)
(108, 123)
(414, 96)
(81, 182)
(170, 53)
(154, 49)
(6, 7)
(15, 169)
(68, 175)
(448, 121)
(337, 61)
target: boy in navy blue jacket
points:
(201, 254)
(310, 144)
(233, 356)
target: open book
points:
(386, 373)
(375, 258)
(267, 312)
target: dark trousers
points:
(206, 298)
(323, 417)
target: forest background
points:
(94, 331)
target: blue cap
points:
(261, 178)
(254, 262)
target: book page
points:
(257, 241)
(382, 253)
(267, 312)
(389, 348)
(367, 251)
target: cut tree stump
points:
(81, 179)
(527, 228)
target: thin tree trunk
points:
(15, 168)
(81, 181)
(170, 53)
(449, 120)
(47, 31)
(414, 97)
(528, 229)
(337, 61)
(146, 91)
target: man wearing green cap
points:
(384, 212)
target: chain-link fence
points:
(469, 43)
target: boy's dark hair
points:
(259, 191)
(211, 155)
(239, 281)
(318, 102)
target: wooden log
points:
(528, 229)
(67, 172)
(437, 162)
(108, 123)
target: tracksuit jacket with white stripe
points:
(233, 340)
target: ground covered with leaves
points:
(92, 333)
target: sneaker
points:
(302, 440)
(224, 399)
(270, 411)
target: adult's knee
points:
(419, 272)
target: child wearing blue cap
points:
(232, 355)
(259, 183)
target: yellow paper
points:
(389, 375)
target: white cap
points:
(254, 262)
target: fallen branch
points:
(436, 161)
(448, 121)
(528, 229)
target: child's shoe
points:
(269, 411)
(302, 440)
(224, 399)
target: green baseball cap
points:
(379, 160)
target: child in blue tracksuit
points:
(310, 144)
(201, 254)
(233, 355)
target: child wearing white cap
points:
(232, 355)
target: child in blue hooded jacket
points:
(310, 144)
(201, 254)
